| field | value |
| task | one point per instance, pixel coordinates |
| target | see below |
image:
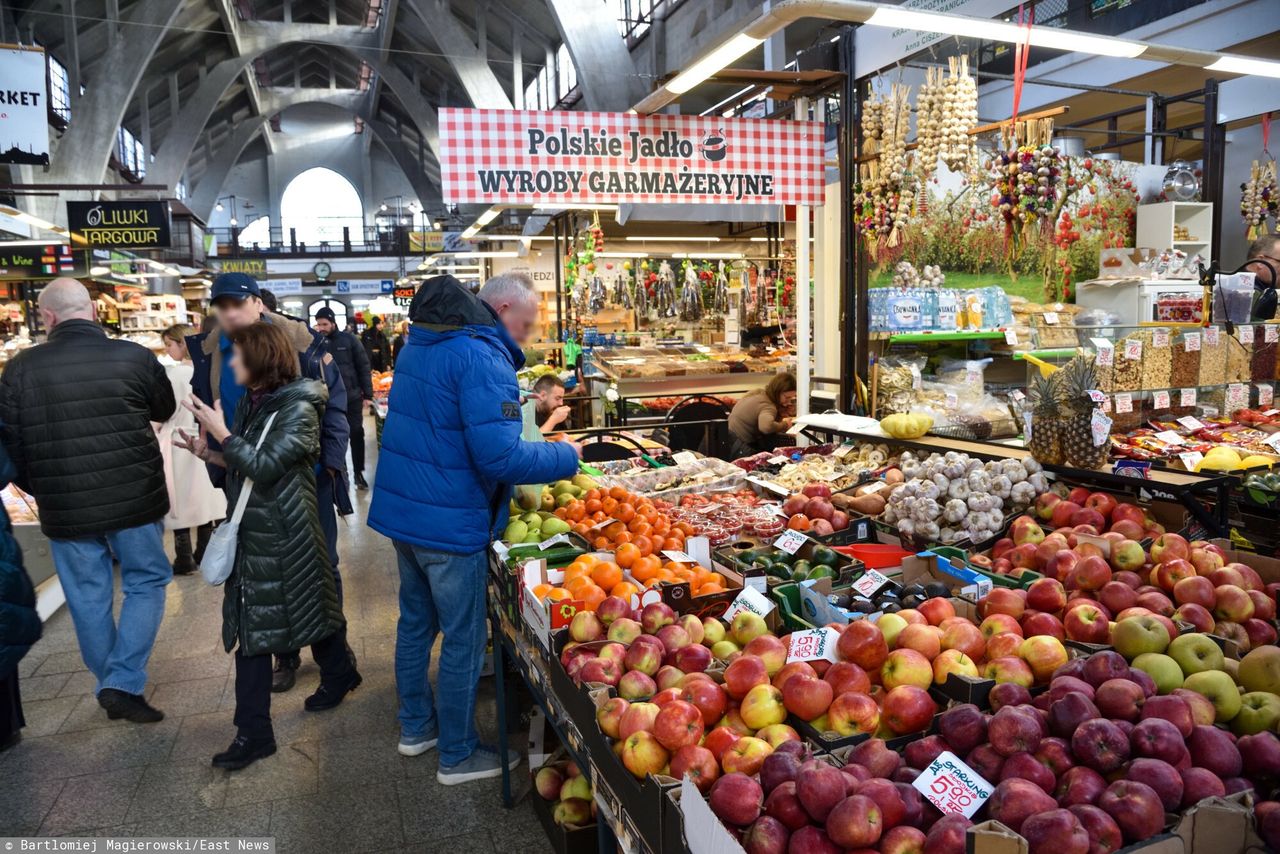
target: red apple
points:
(1087, 624)
(846, 676)
(807, 697)
(1062, 565)
(1062, 513)
(1001, 645)
(744, 673)
(936, 610)
(678, 724)
(853, 714)
(964, 636)
(1264, 605)
(1009, 669)
(736, 799)
(745, 755)
(863, 644)
(1091, 573)
(643, 755)
(609, 716)
(719, 740)
(1003, 600)
(1116, 596)
(794, 668)
(908, 708)
(697, 763)
(1025, 530)
(1197, 615)
(996, 624)
(1233, 603)
(770, 650)
(1045, 503)
(1169, 546)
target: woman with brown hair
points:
(281, 594)
(760, 416)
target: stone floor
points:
(336, 784)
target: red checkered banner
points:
(544, 158)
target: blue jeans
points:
(440, 592)
(115, 652)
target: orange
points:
(541, 590)
(626, 556)
(708, 588)
(673, 544)
(590, 595)
(591, 495)
(608, 504)
(593, 505)
(576, 512)
(555, 594)
(624, 512)
(686, 528)
(622, 537)
(618, 493)
(644, 544)
(624, 590)
(606, 575)
(602, 544)
(644, 568)
(572, 584)
(560, 512)
(581, 528)
(576, 569)
(588, 559)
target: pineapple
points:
(1078, 378)
(1045, 442)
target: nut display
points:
(1157, 362)
(1186, 362)
(1239, 357)
(1213, 356)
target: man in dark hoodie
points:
(451, 453)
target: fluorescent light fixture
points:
(569, 207)
(99, 271)
(1002, 31)
(709, 256)
(481, 221)
(673, 239)
(7, 243)
(711, 63)
(622, 255)
(1246, 65)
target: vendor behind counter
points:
(759, 420)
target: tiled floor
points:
(336, 784)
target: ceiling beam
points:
(468, 58)
(606, 74)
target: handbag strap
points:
(247, 488)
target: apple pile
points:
(563, 783)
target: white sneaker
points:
(416, 745)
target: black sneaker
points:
(286, 673)
(328, 696)
(361, 483)
(184, 564)
(243, 752)
(131, 707)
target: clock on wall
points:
(322, 270)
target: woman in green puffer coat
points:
(281, 595)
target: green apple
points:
(723, 649)
(1260, 670)
(1160, 667)
(890, 625)
(1134, 636)
(1259, 712)
(712, 631)
(1218, 688)
(1195, 653)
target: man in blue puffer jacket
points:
(451, 453)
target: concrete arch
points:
(186, 130)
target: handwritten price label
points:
(1265, 394)
(1190, 459)
(1273, 440)
(1191, 341)
(1133, 349)
(1106, 404)
(952, 786)
(1106, 351)
(1187, 397)
(1099, 427)
(1270, 333)
(1245, 334)
(1011, 337)
(1160, 338)
(778, 460)
(1160, 400)
(684, 458)
(1212, 336)
(790, 541)
(813, 645)
(751, 600)
(869, 582)
(1124, 402)
(841, 452)
(1169, 437)
(1237, 396)
(1051, 318)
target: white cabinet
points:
(1187, 226)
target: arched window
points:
(258, 231)
(317, 204)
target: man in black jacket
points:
(376, 345)
(353, 364)
(77, 415)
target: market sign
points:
(365, 286)
(256, 267)
(120, 225)
(426, 241)
(24, 108)
(568, 157)
(37, 262)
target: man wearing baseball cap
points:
(237, 303)
(353, 364)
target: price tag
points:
(843, 451)
(1099, 427)
(1097, 396)
(1191, 422)
(1124, 402)
(1160, 399)
(916, 379)
(776, 509)
(1106, 351)
(1270, 333)
(1051, 318)
(790, 541)
(778, 460)
(709, 507)
(952, 400)
(1169, 437)
(500, 549)
(1265, 394)
(1187, 397)
(1271, 413)
(1160, 338)
(1245, 334)
(873, 488)
(1273, 440)
(1190, 459)
(952, 786)
(869, 582)
(759, 583)
(1237, 397)
(831, 476)
(1211, 336)
(678, 556)
(814, 645)
(1191, 341)
(1133, 349)
(684, 458)
(972, 377)
(795, 429)
(1011, 337)
(751, 600)
(1106, 404)
(1209, 411)
(1017, 396)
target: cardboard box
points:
(992, 837)
(927, 567)
(542, 618)
(563, 839)
(1267, 567)
(1219, 825)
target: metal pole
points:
(848, 172)
(559, 282)
(803, 320)
(1214, 156)
(860, 315)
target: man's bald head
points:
(65, 299)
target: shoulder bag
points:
(220, 554)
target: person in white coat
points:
(194, 502)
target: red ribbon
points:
(1266, 132)
(1021, 51)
